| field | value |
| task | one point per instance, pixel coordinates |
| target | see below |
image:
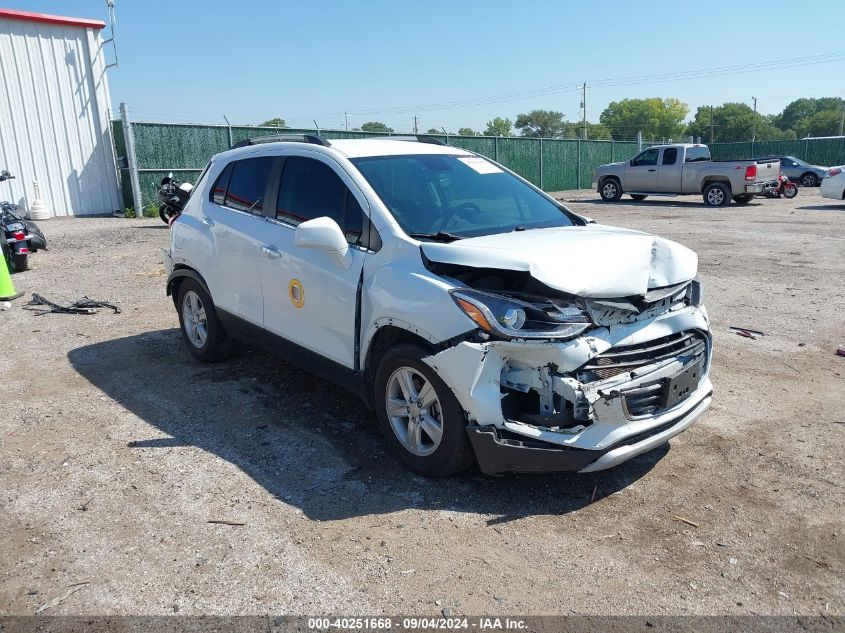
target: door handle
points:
(652, 170)
(207, 220)
(270, 251)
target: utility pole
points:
(584, 106)
(754, 122)
(711, 125)
(415, 124)
(346, 119)
(842, 121)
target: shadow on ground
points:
(307, 442)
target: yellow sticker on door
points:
(296, 293)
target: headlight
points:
(511, 318)
(695, 293)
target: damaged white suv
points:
(481, 319)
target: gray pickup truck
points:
(684, 169)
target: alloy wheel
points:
(414, 411)
(194, 319)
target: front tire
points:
(744, 198)
(790, 191)
(809, 180)
(20, 261)
(421, 419)
(610, 190)
(716, 194)
(638, 197)
(202, 331)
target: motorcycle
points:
(172, 196)
(783, 188)
(20, 236)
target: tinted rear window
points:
(248, 184)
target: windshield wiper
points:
(440, 236)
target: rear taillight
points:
(19, 235)
(751, 172)
(834, 171)
(23, 251)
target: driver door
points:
(641, 171)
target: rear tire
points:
(425, 426)
(809, 180)
(744, 198)
(790, 191)
(638, 197)
(20, 261)
(610, 190)
(202, 331)
(717, 194)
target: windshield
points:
(438, 196)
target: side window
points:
(248, 184)
(311, 189)
(670, 155)
(648, 157)
(218, 191)
(787, 162)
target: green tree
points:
(812, 117)
(654, 117)
(823, 123)
(466, 131)
(499, 127)
(432, 130)
(544, 123)
(376, 126)
(734, 122)
(277, 122)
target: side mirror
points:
(325, 235)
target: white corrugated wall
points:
(54, 118)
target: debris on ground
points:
(226, 522)
(840, 351)
(685, 520)
(85, 305)
(746, 332)
(60, 598)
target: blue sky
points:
(192, 60)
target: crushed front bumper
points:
(609, 431)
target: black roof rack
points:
(414, 138)
(313, 139)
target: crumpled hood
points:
(589, 261)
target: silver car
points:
(798, 171)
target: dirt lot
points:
(118, 449)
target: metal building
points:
(54, 114)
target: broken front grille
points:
(623, 358)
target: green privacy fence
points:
(552, 164)
(816, 151)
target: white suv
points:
(480, 318)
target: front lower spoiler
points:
(497, 454)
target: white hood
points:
(589, 261)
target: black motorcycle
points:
(172, 197)
(20, 236)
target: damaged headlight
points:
(695, 293)
(508, 317)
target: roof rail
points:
(414, 138)
(284, 138)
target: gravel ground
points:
(118, 450)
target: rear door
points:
(669, 173)
(309, 298)
(791, 169)
(233, 214)
(641, 171)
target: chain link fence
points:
(161, 148)
(550, 163)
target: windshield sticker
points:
(479, 164)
